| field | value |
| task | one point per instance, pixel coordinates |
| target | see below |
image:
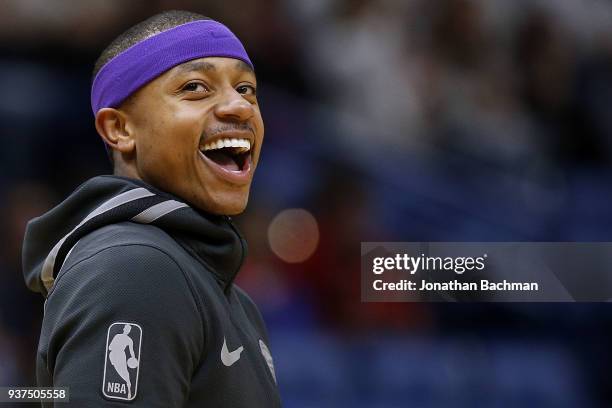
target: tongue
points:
(224, 160)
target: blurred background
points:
(386, 120)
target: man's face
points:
(180, 121)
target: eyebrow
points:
(196, 66)
(243, 66)
(207, 66)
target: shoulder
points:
(128, 281)
(244, 298)
(250, 308)
(125, 234)
(123, 256)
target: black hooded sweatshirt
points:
(141, 308)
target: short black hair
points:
(139, 32)
(143, 30)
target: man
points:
(147, 257)
(118, 358)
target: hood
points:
(105, 200)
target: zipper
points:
(242, 249)
(273, 395)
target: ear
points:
(114, 128)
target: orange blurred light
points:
(293, 235)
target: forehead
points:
(213, 65)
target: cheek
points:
(260, 131)
(260, 125)
(169, 141)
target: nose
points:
(234, 107)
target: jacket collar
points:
(212, 239)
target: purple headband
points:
(141, 63)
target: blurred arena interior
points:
(386, 120)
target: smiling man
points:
(137, 268)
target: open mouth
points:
(230, 154)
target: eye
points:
(194, 87)
(246, 90)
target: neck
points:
(120, 168)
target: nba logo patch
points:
(122, 361)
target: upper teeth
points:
(243, 144)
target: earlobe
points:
(113, 126)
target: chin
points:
(231, 209)
(225, 205)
